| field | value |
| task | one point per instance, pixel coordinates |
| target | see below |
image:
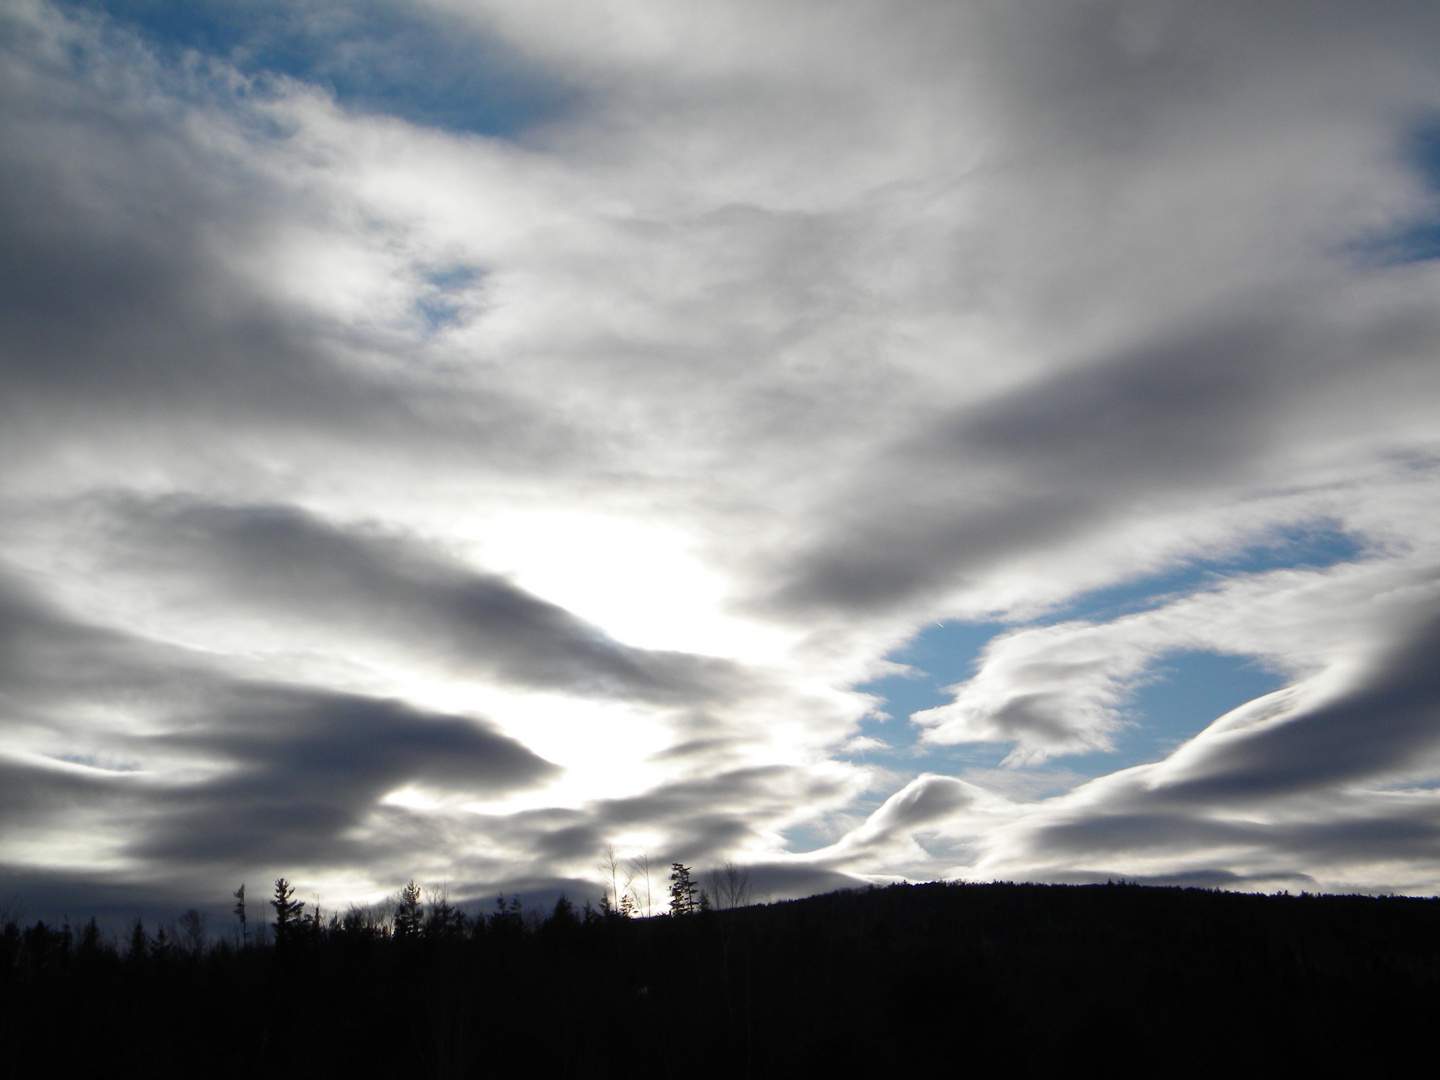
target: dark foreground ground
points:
(955, 979)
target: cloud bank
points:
(424, 467)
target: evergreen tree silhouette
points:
(239, 895)
(682, 891)
(407, 911)
(139, 942)
(160, 946)
(287, 910)
(90, 941)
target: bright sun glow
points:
(633, 579)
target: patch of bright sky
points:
(374, 56)
(634, 579)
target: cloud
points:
(473, 467)
(1384, 727)
(44, 790)
(300, 770)
(132, 753)
(925, 800)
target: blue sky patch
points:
(1309, 547)
(1424, 154)
(92, 762)
(941, 655)
(1181, 696)
(441, 305)
(1420, 240)
(374, 57)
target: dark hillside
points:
(1032, 979)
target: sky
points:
(862, 440)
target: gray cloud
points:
(1385, 726)
(1038, 468)
(49, 659)
(35, 793)
(300, 769)
(286, 773)
(1131, 834)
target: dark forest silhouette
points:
(959, 977)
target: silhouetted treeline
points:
(1025, 978)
